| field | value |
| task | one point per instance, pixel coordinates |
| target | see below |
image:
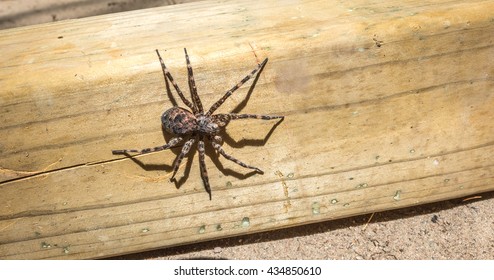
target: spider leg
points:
(216, 142)
(202, 165)
(174, 141)
(167, 74)
(192, 86)
(228, 93)
(232, 116)
(185, 151)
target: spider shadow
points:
(170, 96)
(149, 167)
(215, 158)
(244, 102)
(250, 142)
(166, 167)
(189, 158)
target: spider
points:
(198, 126)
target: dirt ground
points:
(455, 229)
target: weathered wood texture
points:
(388, 104)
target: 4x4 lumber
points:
(388, 104)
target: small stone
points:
(217, 250)
(245, 222)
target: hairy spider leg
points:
(202, 165)
(233, 116)
(174, 141)
(216, 142)
(183, 153)
(233, 89)
(167, 74)
(192, 85)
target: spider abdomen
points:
(179, 121)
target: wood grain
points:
(388, 104)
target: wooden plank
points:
(387, 105)
(54, 10)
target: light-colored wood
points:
(36, 12)
(387, 105)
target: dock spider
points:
(198, 126)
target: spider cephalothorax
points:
(198, 125)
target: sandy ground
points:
(455, 229)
